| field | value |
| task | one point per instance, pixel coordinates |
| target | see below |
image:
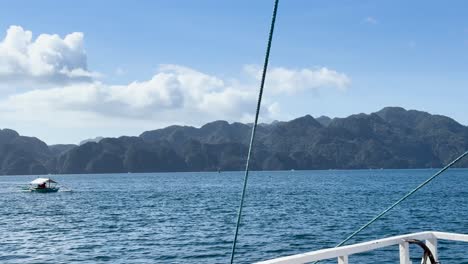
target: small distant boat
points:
(43, 185)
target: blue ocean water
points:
(190, 217)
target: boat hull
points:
(44, 190)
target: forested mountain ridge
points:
(390, 138)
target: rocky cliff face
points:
(390, 138)
(22, 155)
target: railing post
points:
(404, 253)
(343, 259)
(431, 243)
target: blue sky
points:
(381, 53)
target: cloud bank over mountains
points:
(68, 90)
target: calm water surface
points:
(190, 217)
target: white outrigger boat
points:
(43, 185)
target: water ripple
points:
(189, 217)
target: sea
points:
(190, 217)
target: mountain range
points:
(390, 138)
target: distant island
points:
(392, 138)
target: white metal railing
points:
(342, 253)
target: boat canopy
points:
(43, 180)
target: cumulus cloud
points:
(48, 58)
(291, 81)
(175, 94)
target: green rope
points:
(402, 199)
(254, 128)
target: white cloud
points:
(66, 95)
(175, 94)
(274, 109)
(119, 71)
(371, 20)
(47, 59)
(291, 81)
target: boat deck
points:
(342, 253)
